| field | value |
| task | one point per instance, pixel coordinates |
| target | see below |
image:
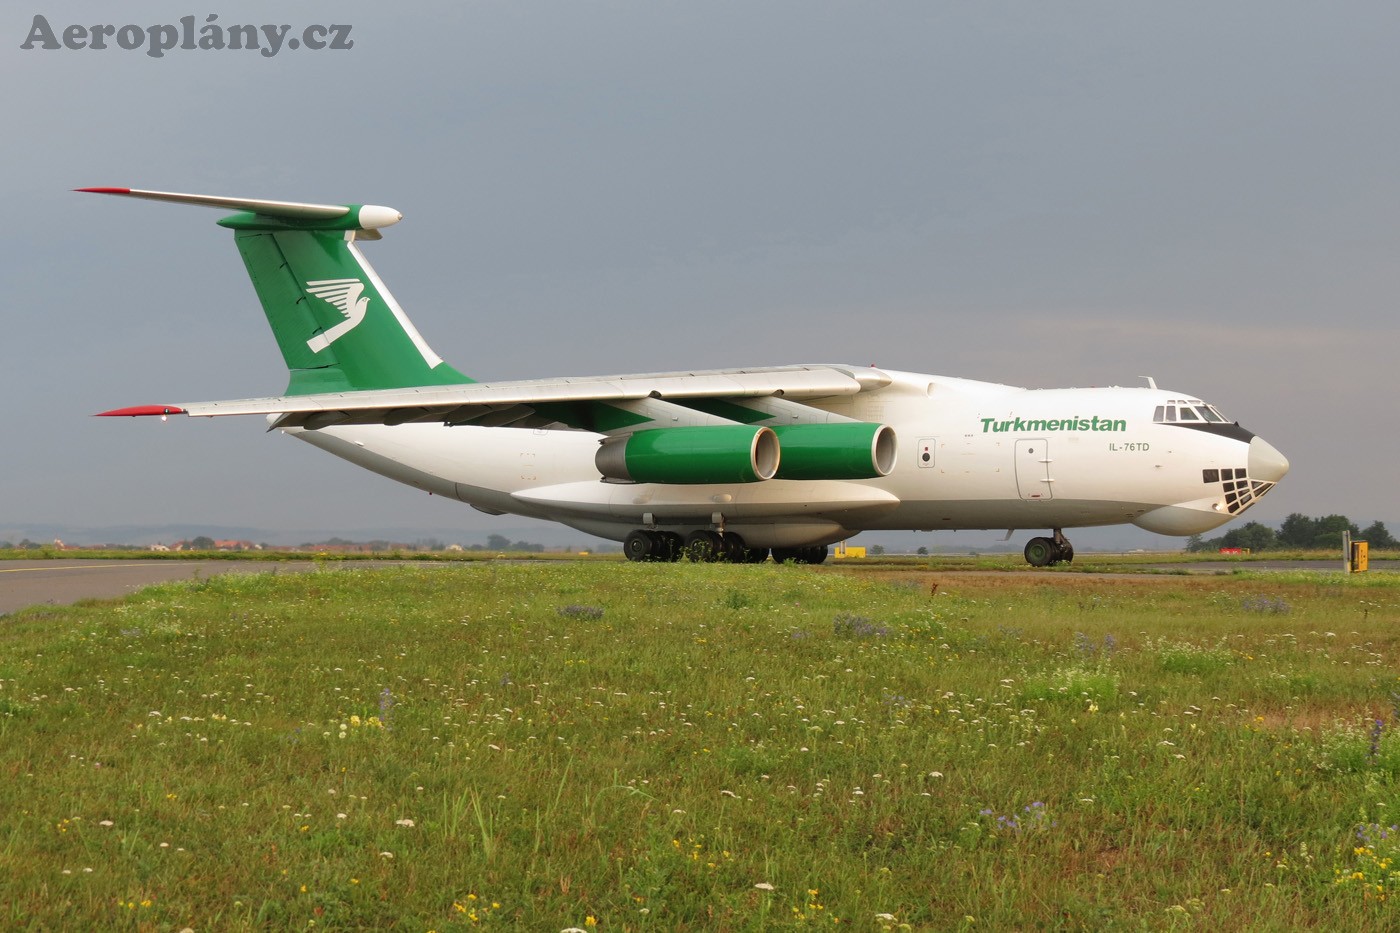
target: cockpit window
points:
(1184, 409)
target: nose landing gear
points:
(1043, 552)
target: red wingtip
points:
(137, 411)
(104, 190)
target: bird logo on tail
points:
(348, 298)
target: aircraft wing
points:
(606, 404)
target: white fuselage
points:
(971, 455)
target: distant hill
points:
(549, 535)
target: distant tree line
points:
(28, 545)
(502, 543)
(494, 542)
(206, 543)
(1298, 532)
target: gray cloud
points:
(1036, 194)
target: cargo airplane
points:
(732, 464)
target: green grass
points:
(703, 747)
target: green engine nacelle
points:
(721, 453)
(848, 450)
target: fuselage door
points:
(1033, 469)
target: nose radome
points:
(1266, 464)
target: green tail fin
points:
(336, 323)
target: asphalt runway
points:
(60, 582)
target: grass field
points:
(704, 747)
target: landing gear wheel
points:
(1040, 552)
(756, 555)
(704, 547)
(1064, 553)
(641, 545)
(733, 549)
(800, 555)
(670, 546)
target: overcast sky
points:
(1038, 193)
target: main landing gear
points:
(1042, 552)
(710, 547)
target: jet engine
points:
(849, 450)
(719, 453)
(747, 454)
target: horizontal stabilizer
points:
(141, 411)
(365, 216)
